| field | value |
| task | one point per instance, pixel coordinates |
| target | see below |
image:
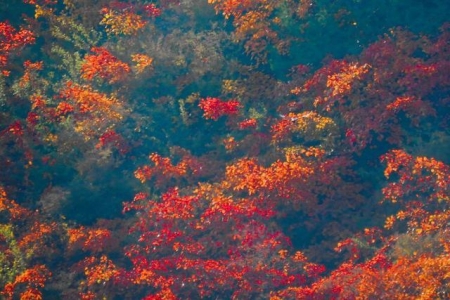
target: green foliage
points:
(2, 91)
(171, 149)
(12, 260)
(70, 63)
(68, 30)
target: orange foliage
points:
(253, 20)
(111, 138)
(162, 169)
(142, 62)
(422, 188)
(95, 112)
(372, 93)
(419, 178)
(230, 143)
(174, 206)
(234, 8)
(252, 189)
(104, 65)
(303, 8)
(95, 240)
(29, 282)
(35, 240)
(14, 211)
(341, 83)
(89, 101)
(64, 109)
(281, 129)
(180, 231)
(37, 102)
(410, 105)
(127, 22)
(309, 124)
(285, 178)
(30, 70)
(99, 271)
(34, 237)
(337, 79)
(219, 237)
(424, 277)
(12, 40)
(165, 294)
(421, 267)
(214, 108)
(248, 123)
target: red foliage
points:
(221, 237)
(351, 137)
(16, 129)
(373, 93)
(214, 108)
(87, 100)
(64, 108)
(30, 282)
(189, 168)
(151, 10)
(281, 129)
(35, 239)
(14, 211)
(180, 231)
(174, 206)
(37, 102)
(94, 112)
(32, 119)
(248, 123)
(162, 169)
(12, 40)
(419, 178)
(104, 65)
(98, 270)
(421, 187)
(111, 138)
(95, 240)
(30, 70)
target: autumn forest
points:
(224, 149)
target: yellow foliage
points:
(341, 83)
(142, 62)
(127, 23)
